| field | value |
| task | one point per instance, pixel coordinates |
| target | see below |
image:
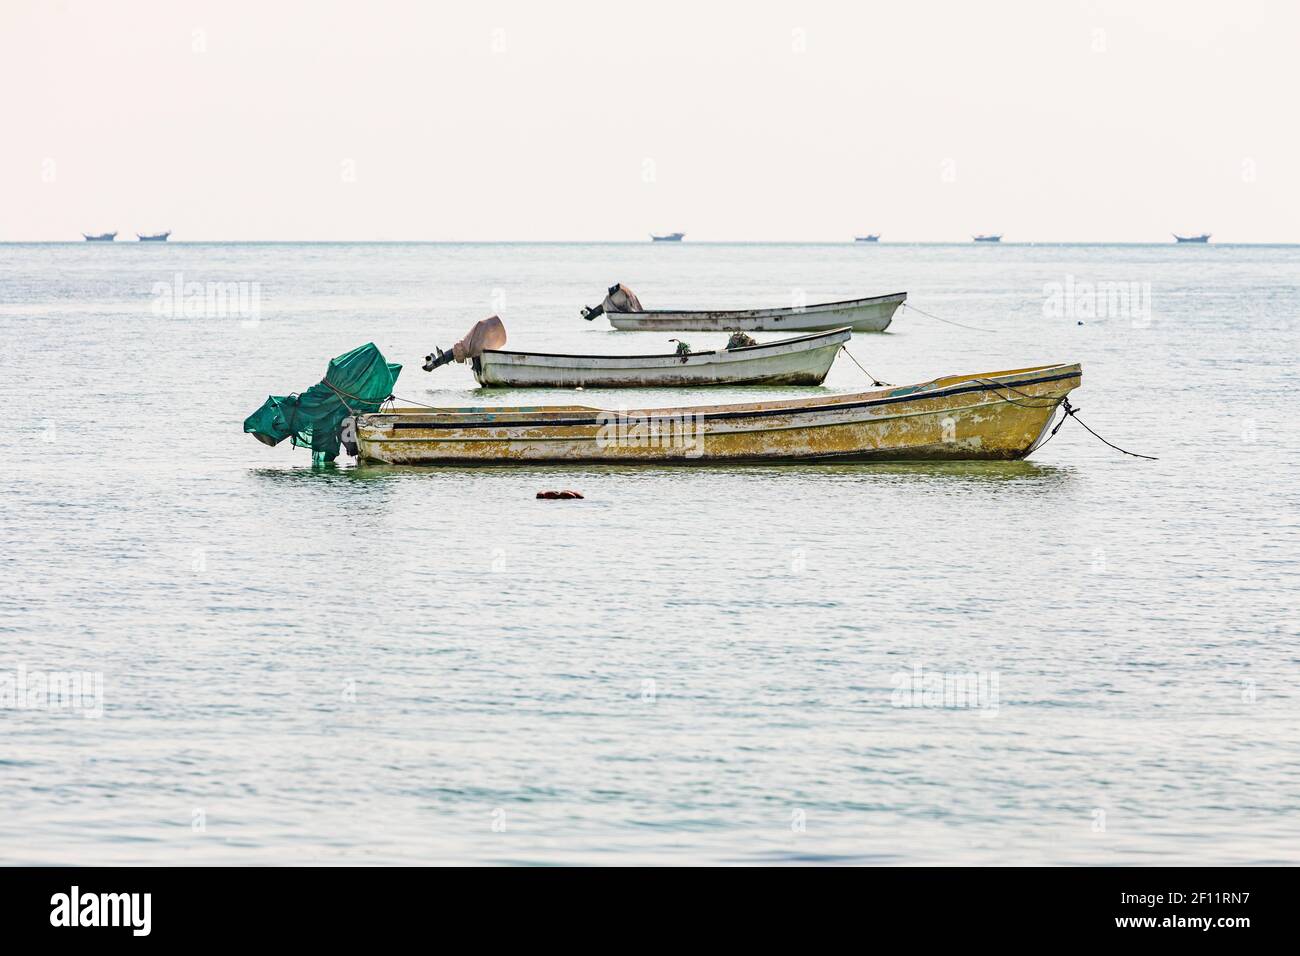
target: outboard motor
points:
(438, 357)
(487, 334)
(619, 299)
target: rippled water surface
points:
(376, 665)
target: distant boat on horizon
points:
(1203, 237)
(671, 237)
(988, 238)
(102, 237)
(872, 237)
(156, 237)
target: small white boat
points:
(799, 361)
(872, 314)
(988, 238)
(873, 237)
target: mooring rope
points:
(874, 380)
(409, 401)
(1043, 402)
(908, 305)
(1070, 412)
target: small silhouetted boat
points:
(1204, 237)
(156, 237)
(988, 238)
(671, 237)
(102, 237)
(874, 237)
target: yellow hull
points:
(991, 416)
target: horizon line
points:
(645, 242)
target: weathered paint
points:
(862, 315)
(799, 361)
(969, 417)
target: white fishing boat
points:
(991, 416)
(798, 361)
(872, 314)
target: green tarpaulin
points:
(357, 381)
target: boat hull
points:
(799, 361)
(860, 315)
(997, 416)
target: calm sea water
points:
(380, 665)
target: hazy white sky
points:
(750, 121)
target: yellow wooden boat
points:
(991, 416)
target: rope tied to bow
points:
(1069, 412)
(874, 380)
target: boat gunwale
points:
(966, 384)
(724, 351)
(774, 310)
(794, 426)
